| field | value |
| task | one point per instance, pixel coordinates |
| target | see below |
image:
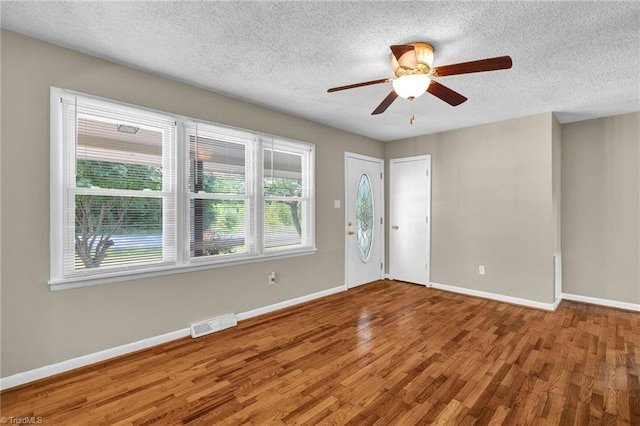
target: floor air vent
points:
(212, 325)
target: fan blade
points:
(353, 86)
(490, 64)
(406, 56)
(385, 103)
(451, 97)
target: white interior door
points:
(409, 219)
(364, 232)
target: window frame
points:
(63, 189)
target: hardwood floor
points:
(384, 353)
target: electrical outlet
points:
(481, 269)
(272, 278)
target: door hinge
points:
(380, 221)
(381, 265)
(427, 172)
(427, 218)
(426, 266)
(380, 175)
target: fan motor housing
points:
(424, 56)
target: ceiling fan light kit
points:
(411, 86)
(412, 65)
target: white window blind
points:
(221, 213)
(286, 195)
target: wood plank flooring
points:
(385, 353)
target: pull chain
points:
(412, 116)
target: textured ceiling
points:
(578, 59)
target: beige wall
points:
(601, 208)
(40, 327)
(492, 205)
(496, 201)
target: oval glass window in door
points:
(364, 217)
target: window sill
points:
(120, 276)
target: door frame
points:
(392, 161)
(380, 161)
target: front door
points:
(364, 232)
(409, 211)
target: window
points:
(133, 196)
(364, 217)
(220, 191)
(287, 197)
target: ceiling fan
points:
(411, 64)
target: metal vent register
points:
(212, 325)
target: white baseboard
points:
(603, 302)
(498, 297)
(81, 361)
(287, 303)
(61, 367)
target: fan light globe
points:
(411, 86)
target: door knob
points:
(350, 232)
(395, 227)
